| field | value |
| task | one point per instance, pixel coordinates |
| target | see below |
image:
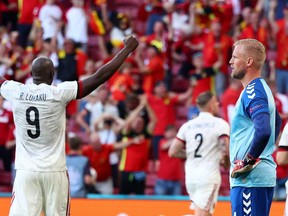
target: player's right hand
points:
(241, 166)
(131, 43)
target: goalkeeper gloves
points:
(243, 166)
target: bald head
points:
(42, 70)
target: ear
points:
(250, 61)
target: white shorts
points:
(34, 192)
(203, 196)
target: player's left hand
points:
(243, 166)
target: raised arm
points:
(106, 71)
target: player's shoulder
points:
(220, 120)
(255, 89)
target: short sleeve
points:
(181, 133)
(8, 89)
(224, 128)
(67, 90)
(284, 137)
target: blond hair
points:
(254, 48)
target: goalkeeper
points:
(254, 130)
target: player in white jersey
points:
(41, 183)
(282, 158)
(205, 140)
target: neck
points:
(247, 79)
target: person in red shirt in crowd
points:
(168, 179)
(202, 80)
(221, 10)
(134, 158)
(282, 177)
(28, 10)
(254, 27)
(123, 83)
(153, 71)
(184, 49)
(281, 102)
(229, 99)
(218, 46)
(23, 73)
(6, 123)
(280, 33)
(98, 155)
(163, 104)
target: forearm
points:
(104, 72)
(180, 154)
(261, 135)
(282, 155)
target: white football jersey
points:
(203, 152)
(40, 118)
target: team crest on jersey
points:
(250, 91)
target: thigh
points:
(160, 187)
(125, 182)
(56, 193)
(139, 182)
(27, 194)
(254, 201)
(176, 189)
(204, 196)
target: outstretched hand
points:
(131, 43)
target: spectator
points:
(229, 99)
(121, 29)
(98, 106)
(108, 128)
(202, 80)
(26, 17)
(168, 180)
(23, 73)
(134, 160)
(71, 62)
(9, 11)
(76, 16)
(279, 31)
(98, 155)
(123, 84)
(78, 169)
(153, 71)
(6, 122)
(163, 104)
(50, 15)
(218, 47)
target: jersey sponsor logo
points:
(250, 91)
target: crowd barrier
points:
(120, 205)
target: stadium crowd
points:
(118, 136)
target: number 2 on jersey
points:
(199, 138)
(33, 121)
